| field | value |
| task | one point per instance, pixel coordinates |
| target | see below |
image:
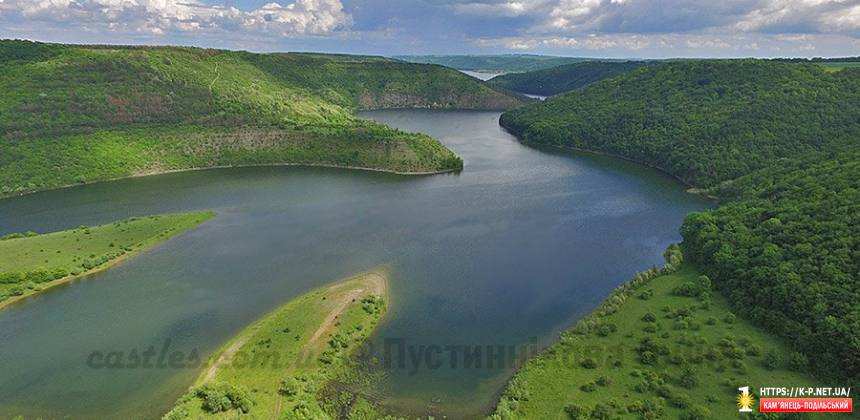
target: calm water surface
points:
(510, 251)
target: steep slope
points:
(560, 79)
(73, 114)
(777, 143)
(702, 121)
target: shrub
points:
(221, 397)
(696, 412)
(576, 411)
(589, 387)
(11, 278)
(649, 317)
(679, 400)
(771, 361)
(688, 378)
(605, 329)
(601, 412)
(798, 362)
(588, 363)
(603, 381)
(753, 350)
(730, 318)
(289, 387)
(647, 409)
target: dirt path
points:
(225, 357)
(376, 285)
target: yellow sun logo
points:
(745, 401)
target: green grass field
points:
(649, 352)
(280, 366)
(30, 262)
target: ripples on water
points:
(518, 245)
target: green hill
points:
(555, 80)
(73, 114)
(493, 63)
(777, 143)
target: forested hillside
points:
(493, 63)
(777, 143)
(560, 79)
(72, 114)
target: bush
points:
(798, 362)
(601, 412)
(589, 387)
(576, 411)
(289, 387)
(222, 397)
(649, 317)
(11, 278)
(771, 361)
(688, 378)
(696, 412)
(605, 329)
(588, 363)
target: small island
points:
(282, 364)
(31, 263)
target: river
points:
(510, 251)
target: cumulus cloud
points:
(157, 17)
(677, 16)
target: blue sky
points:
(593, 28)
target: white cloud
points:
(504, 8)
(157, 17)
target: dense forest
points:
(777, 143)
(72, 114)
(493, 63)
(560, 79)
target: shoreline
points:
(255, 165)
(223, 353)
(150, 243)
(689, 188)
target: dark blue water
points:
(516, 247)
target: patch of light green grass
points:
(275, 372)
(30, 262)
(698, 354)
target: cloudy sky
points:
(594, 28)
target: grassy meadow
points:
(282, 365)
(660, 348)
(31, 262)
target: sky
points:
(588, 28)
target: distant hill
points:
(564, 78)
(74, 114)
(778, 143)
(493, 63)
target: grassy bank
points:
(776, 143)
(661, 346)
(279, 366)
(31, 262)
(77, 114)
